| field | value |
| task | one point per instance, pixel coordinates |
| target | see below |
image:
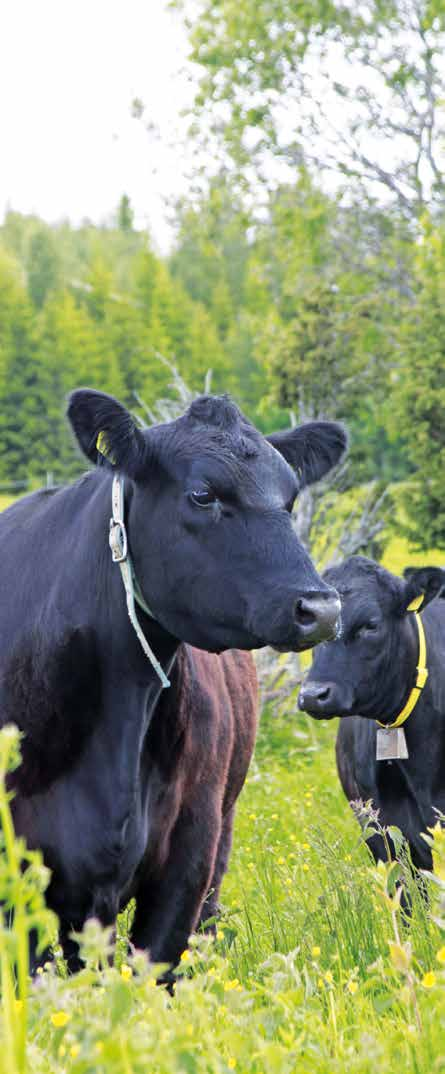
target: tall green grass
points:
(314, 967)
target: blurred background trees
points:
(308, 269)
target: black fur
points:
(53, 695)
(367, 675)
(92, 413)
(312, 449)
(127, 791)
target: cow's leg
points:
(210, 906)
(168, 904)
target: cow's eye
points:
(203, 497)
(366, 628)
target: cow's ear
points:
(422, 584)
(106, 432)
(311, 449)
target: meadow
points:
(313, 967)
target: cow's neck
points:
(123, 643)
(401, 676)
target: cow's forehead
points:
(237, 461)
(363, 584)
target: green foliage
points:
(320, 310)
(327, 85)
(313, 968)
(125, 214)
(43, 267)
(90, 306)
(420, 392)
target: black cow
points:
(127, 791)
(367, 674)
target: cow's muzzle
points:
(325, 699)
(317, 617)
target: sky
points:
(69, 146)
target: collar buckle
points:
(422, 675)
(118, 541)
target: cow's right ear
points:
(422, 584)
(106, 432)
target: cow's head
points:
(208, 502)
(369, 668)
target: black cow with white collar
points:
(369, 674)
(129, 790)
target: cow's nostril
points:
(324, 695)
(303, 613)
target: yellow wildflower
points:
(441, 955)
(281, 861)
(306, 846)
(62, 1051)
(74, 1050)
(220, 934)
(352, 987)
(429, 979)
(231, 1063)
(99, 1046)
(305, 867)
(185, 955)
(127, 972)
(328, 977)
(274, 816)
(60, 1018)
(320, 982)
(18, 1004)
(316, 951)
(252, 816)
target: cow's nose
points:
(315, 693)
(317, 616)
(320, 699)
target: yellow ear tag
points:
(102, 446)
(416, 604)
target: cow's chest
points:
(94, 836)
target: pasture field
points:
(312, 968)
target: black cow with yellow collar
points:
(386, 673)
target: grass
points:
(312, 970)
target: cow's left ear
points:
(311, 449)
(422, 584)
(106, 432)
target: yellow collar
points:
(422, 675)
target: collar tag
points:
(391, 744)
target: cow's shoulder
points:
(51, 688)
